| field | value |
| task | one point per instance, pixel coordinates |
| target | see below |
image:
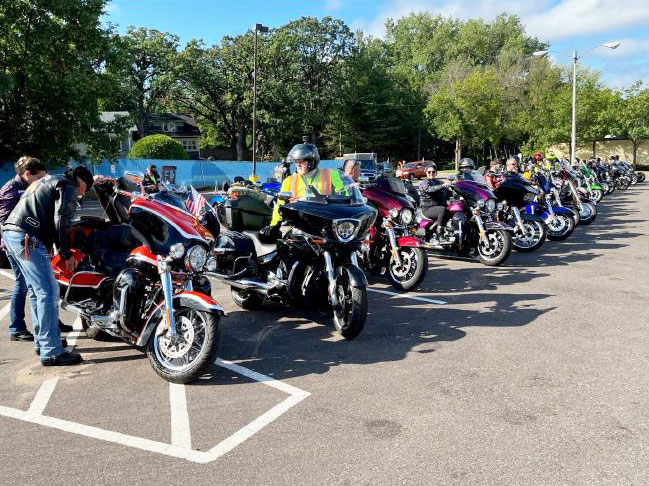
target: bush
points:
(157, 147)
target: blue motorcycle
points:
(559, 220)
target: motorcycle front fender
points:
(563, 210)
(410, 241)
(497, 225)
(189, 299)
(531, 217)
(357, 277)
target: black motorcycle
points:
(314, 263)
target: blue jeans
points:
(17, 312)
(44, 298)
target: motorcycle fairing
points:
(143, 254)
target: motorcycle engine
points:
(127, 295)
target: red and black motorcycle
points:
(140, 278)
(390, 245)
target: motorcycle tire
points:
(586, 219)
(564, 231)
(540, 233)
(247, 299)
(634, 179)
(498, 255)
(4, 261)
(641, 176)
(162, 353)
(597, 195)
(623, 184)
(416, 262)
(350, 317)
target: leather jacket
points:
(45, 211)
(433, 193)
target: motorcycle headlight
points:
(490, 205)
(210, 265)
(406, 216)
(345, 230)
(481, 203)
(394, 213)
(196, 258)
(176, 251)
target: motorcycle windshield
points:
(474, 176)
(348, 195)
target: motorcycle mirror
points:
(452, 177)
(284, 196)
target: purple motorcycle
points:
(471, 228)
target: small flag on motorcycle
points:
(195, 202)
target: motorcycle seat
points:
(261, 249)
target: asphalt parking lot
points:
(535, 372)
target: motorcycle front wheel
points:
(560, 227)
(587, 213)
(185, 357)
(496, 249)
(533, 238)
(597, 195)
(411, 271)
(351, 313)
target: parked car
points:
(413, 170)
(369, 167)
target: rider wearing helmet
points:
(151, 180)
(325, 181)
(466, 167)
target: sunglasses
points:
(431, 171)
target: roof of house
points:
(189, 126)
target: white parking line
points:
(408, 296)
(5, 310)
(42, 397)
(180, 430)
(7, 274)
(180, 443)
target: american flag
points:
(195, 202)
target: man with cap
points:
(151, 180)
(42, 218)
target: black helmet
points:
(82, 173)
(304, 151)
(466, 163)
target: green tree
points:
(141, 65)
(466, 109)
(51, 59)
(157, 147)
(629, 114)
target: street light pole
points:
(575, 58)
(258, 28)
(573, 133)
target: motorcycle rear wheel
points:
(535, 233)
(351, 314)
(201, 335)
(247, 299)
(498, 249)
(412, 271)
(560, 228)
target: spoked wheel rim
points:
(532, 235)
(585, 212)
(408, 267)
(181, 354)
(557, 225)
(494, 247)
(343, 312)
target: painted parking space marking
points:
(5, 310)
(408, 296)
(180, 446)
(7, 274)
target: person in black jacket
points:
(151, 180)
(434, 196)
(41, 219)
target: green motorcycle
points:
(591, 188)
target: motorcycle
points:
(314, 263)
(140, 278)
(570, 196)
(515, 193)
(390, 244)
(559, 220)
(471, 229)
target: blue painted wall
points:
(199, 173)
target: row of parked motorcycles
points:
(143, 268)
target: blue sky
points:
(565, 24)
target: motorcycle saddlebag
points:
(234, 251)
(245, 213)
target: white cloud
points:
(332, 5)
(543, 19)
(111, 9)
